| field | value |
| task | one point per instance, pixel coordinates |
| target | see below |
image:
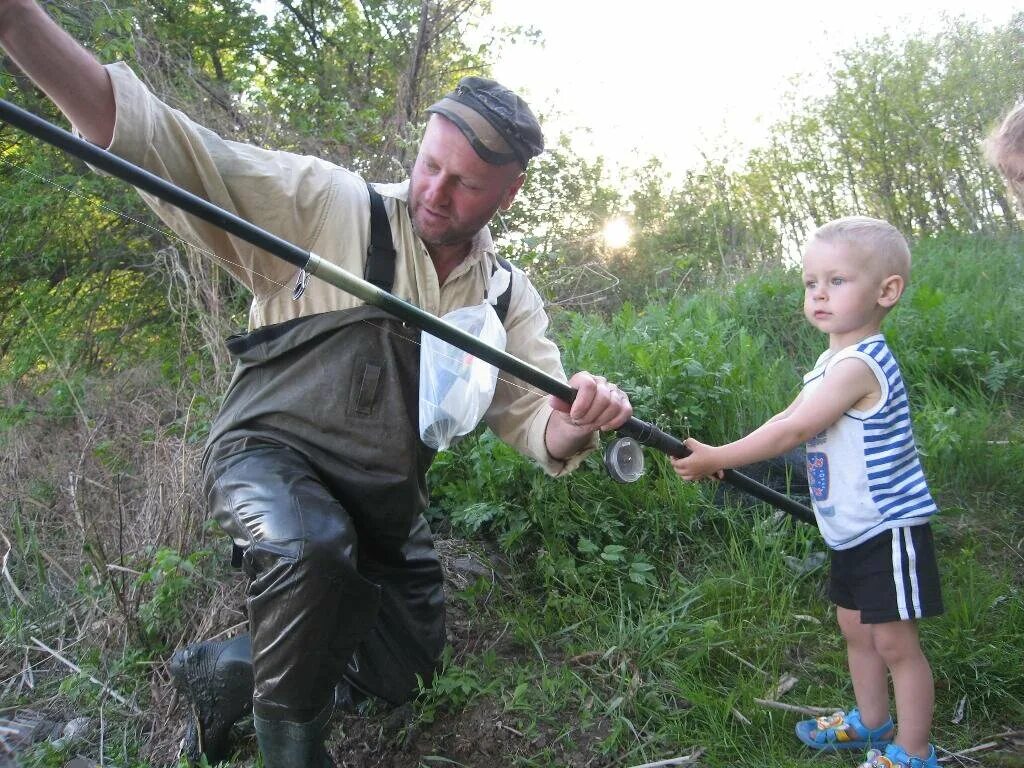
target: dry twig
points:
(796, 708)
(683, 760)
(784, 686)
(103, 686)
(998, 740)
(7, 574)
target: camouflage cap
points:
(497, 123)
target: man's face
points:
(453, 193)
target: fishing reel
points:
(624, 460)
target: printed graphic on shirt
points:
(817, 475)
(818, 439)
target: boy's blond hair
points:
(879, 240)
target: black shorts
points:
(890, 577)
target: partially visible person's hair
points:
(1004, 150)
(878, 239)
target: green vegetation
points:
(622, 624)
(723, 611)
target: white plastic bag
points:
(456, 387)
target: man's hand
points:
(599, 405)
(702, 462)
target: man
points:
(314, 465)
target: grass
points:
(634, 623)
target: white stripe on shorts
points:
(903, 548)
(915, 590)
(897, 574)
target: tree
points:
(335, 78)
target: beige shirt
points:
(323, 208)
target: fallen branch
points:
(744, 662)
(796, 708)
(962, 752)
(7, 574)
(1002, 737)
(509, 728)
(103, 686)
(784, 686)
(684, 760)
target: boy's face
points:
(842, 292)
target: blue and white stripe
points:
(895, 478)
(864, 472)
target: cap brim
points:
(490, 145)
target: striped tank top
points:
(864, 471)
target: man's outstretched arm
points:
(67, 73)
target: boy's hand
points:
(702, 462)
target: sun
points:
(617, 233)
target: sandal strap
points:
(843, 727)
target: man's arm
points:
(847, 384)
(67, 73)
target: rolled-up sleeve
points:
(519, 413)
(286, 194)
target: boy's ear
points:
(890, 291)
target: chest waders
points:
(315, 469)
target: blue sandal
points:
(843, 731)
(896, 757)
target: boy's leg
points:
(867, 668)
(898, 583)
(914, 689)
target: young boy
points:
(870, 497)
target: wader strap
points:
(380, 255)
(502, 302)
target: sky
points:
(669, 78)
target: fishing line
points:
(171, 235)
(633, 433)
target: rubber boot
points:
(216, 679)
(285, 744)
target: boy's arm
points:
(849, 382)
(789, 409)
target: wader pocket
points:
(366, 386)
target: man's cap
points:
(496, 122)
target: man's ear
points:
(891, 290)
(510, 192)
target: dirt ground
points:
(480, 735)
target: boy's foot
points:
(843, 731)
(216, 679)
(896, 757)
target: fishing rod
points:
(623, 458)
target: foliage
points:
(718, 364)
(87, 262)
(638, 620)
(896, 136)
